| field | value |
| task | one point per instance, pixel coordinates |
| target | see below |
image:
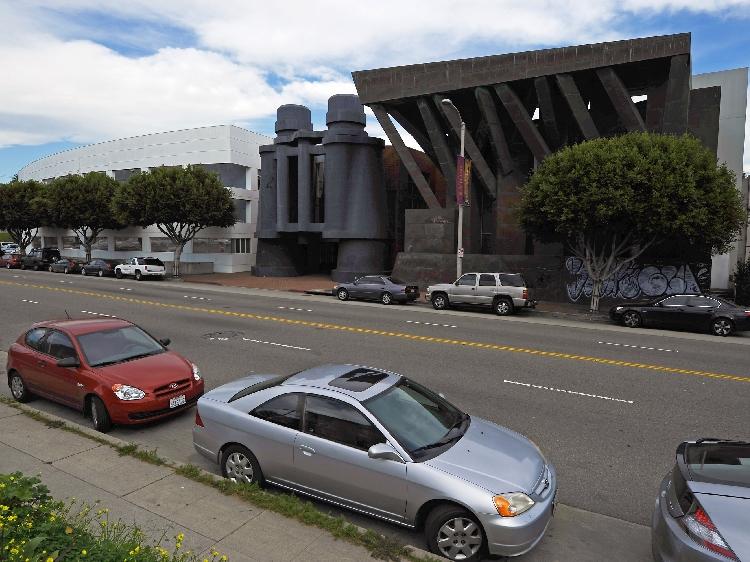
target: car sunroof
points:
(358, 379)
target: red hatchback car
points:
(10, 261)
(109, 369)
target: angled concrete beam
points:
(446, 157)
(577, 106)
(407, 158)
(522, 120)
(490, 116)
(486, 177)
(675, 120)
(620, 97)
(418, 136)
(547, 111)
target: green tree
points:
(22, 210)
(83, 204)
(179, 201)
(610, 199)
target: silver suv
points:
(504, 292)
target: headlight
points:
(196, 372)
(510, 505)
(125, 392)
(619, 308)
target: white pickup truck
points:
(140, 268)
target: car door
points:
(28, 359)
(464, 289)
(486, 289)
(331, 460)
(670, 312)
(62, 382)
(701, 312)
(371, 287)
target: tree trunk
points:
(87, 247)
(177, 255)
(596, 295)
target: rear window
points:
(257, 387)
(153, 261)
(719, 463)
(512, 280)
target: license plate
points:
(177, 401)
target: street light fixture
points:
(449, 106)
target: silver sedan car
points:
(379, 443)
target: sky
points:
(81, 71)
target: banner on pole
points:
(463, 180)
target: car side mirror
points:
(384, 451)
(69, 362)
(165, 342)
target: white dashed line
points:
(196, 298)
(68, 282)
(292, 308)
(98, 314)
(29, 301)
(637, 346)
(541, 387)
(125, 289)
(431, 324)
(277, 344)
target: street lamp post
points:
(448, 104)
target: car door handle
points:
(41, 363)
(307, 450)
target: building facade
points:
(231, 152)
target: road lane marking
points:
(125, 289)
(196, 298)
(297, 309)
(431, 324)
(553, 389)
(98, 314)
(277, 344)
(29, 301)
(386, 333)
(638, 346)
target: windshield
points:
(420, 420)
(116, 346)
(719, 463)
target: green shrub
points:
(741, 280)
(36, 528)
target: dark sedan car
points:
(377, 288)
(64, 265)
(692, 312)
(702, 512)
(99, 267)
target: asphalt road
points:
(607, 405)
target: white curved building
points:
(231, 152)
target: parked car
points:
(109, 369)
(703, 508)
(378, 442)
(64, 265)
(99, 267)
(503, 292)
(702, 313)
(378, 288)
(141, 268)
(10, 261)
(9, 248)
(40, 258)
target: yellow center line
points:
(384, 333)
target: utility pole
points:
(448, 104)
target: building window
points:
(128, 244)
(161, 244)
(292, 180)
(101, 243)
(70, 243)
(212, 246)
(124, 175)
(240, 210)
(241, 245)
(36, 242)
(230, 175)
(50, 241)
(317, 196)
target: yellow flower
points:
(181, 537)
(68, 530)
(223, 558)
(83, 552)
(50, 559)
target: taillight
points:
(703, 531)
(747, 313)
(198, 420)
(525, 294)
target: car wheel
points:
(240, 466)
(138, 276)
(49, 269)
(101, 273)
(18, 388)
(722, 327)
(83, 271)
(342, 294)
(99, 415)
(454, 533)
(118, 273)
(386, 298)
(23, 266)
(66, 271)
(36, 267)
(632, 319)
(439, 302)
(503, 307)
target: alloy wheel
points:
(95, 415)
(101, 273)
(459, 538)
(502, 307)
(239, 468)
(16, 387)
(631, 319)
(439, 302)
(83, 271)
(342, 294)
(722, 327)
(386, 298)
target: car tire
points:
(386, 298)
(342, 294)
(440, 301)
(36, 267)
(83, 271)
(632, 319)
(66, 271)
(239, 465)
(23, 266)
(454, 533)
(50, 269)
(722, 327)
(18, 388)
(99, 415)
(118, 273)
(101, 273)
(503, 307)
(7, 266)
(138, 275)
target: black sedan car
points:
(377, 288)
(64, 265)
(688, 312)
(99, 267)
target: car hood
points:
(148, 373)
(731, 515)
(494, 458)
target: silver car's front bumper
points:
(514, 536)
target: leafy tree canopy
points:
(23, 210)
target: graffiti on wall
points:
(638, 281)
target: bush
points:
(741, 280)
(36, 528)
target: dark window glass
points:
(703, 302)
(337, 421)
(358, 379)
(720, 463)
(34, 338)
(282, 410)
(675, 301)
(512, 280)
(395, 281)
(59, 345)
(117, 346)
(292, 186)
(487, 280)
(371, 280)
(153, 261)
(468, 280)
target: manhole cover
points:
(222, 336)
